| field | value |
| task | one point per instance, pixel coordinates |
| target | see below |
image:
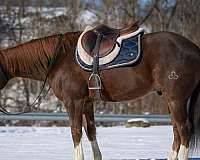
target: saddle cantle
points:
(117, 47)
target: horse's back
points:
(172, 42)
(178, 39)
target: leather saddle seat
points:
(108, 41)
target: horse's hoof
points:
(97, 157)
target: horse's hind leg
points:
(75, 110)
(176, 143)
(90, 129)
(178, 111)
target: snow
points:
(138, 120)
(55, 143)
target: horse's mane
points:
(35, 56)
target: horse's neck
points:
(29, 60)
(32, 59)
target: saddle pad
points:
(128, 53)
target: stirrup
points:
(97, 82)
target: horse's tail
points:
(194, 118)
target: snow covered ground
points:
(55, 143)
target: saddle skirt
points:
(126, 51)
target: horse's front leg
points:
(90, 129)
(75, 109)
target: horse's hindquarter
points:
(176, 60)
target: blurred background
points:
(23, 20)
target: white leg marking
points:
(183, 153)
(79, 152)
(96, 151)
(173, 155)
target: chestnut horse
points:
(169, 64)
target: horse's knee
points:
(184, 131)
(76, 133)
(177, 140)
(89, 126)
(176, 144)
